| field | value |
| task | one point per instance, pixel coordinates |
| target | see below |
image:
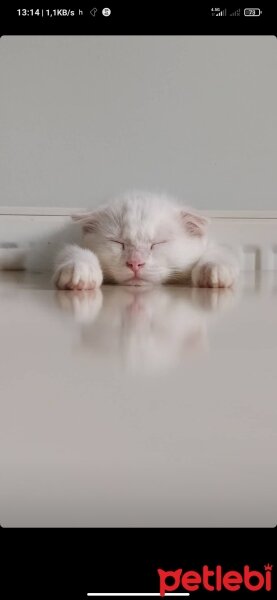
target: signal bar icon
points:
(218, 12)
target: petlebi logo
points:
(215, 580)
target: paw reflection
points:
(145, 329)
(84, 305)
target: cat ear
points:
(88, 221)
(195, 224)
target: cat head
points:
(143, 238)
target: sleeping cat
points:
(142, 238)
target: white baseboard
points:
(253, 233)
(59, 211)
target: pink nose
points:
(135, 265)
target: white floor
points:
(134, 407)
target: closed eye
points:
(117, 242)
(158, 243)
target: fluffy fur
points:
(137, 239)
(141, 239)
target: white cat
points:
(142, 238)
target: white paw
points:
(214, 275)
(78, 276)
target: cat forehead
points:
(144, 231)
(145, 219)
(147, 225)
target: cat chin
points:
(137, 282)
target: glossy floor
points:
(133, 407)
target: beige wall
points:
(85, 117)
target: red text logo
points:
(216, 580)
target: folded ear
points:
(194, 223)
(88, 221)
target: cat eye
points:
(117, 242)
(157, 244)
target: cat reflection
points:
(145, 329)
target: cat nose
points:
(135, 265)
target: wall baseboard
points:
(252, 233)
(59, 211)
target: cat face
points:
(142, 238)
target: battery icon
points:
(252, 12)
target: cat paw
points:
(214, 275)
(78, 276)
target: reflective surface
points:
(138, 407)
